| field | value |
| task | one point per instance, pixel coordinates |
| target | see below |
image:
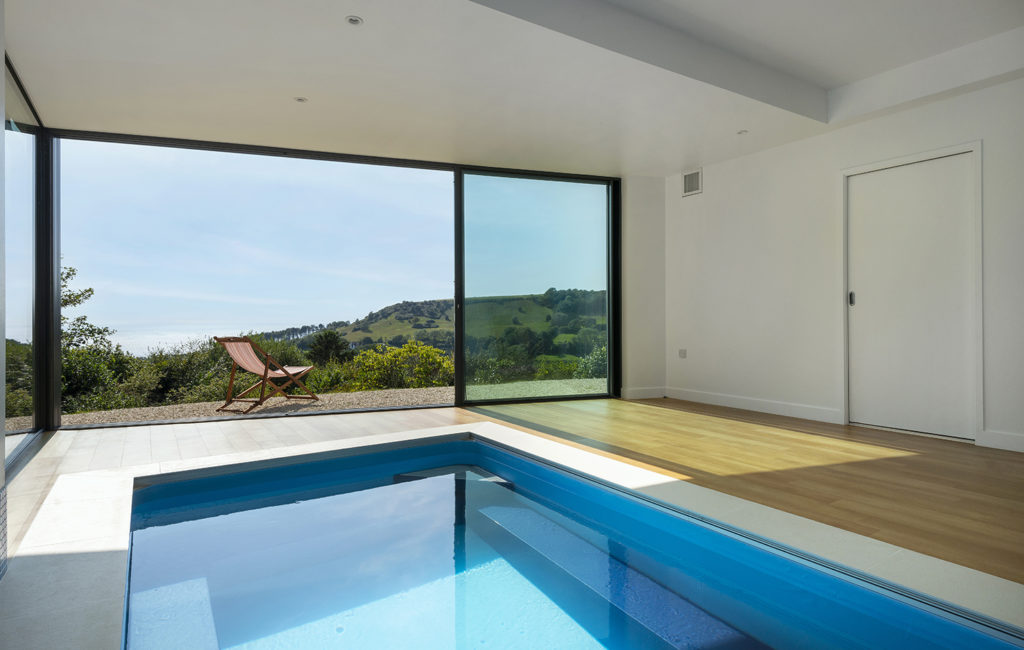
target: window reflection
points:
(536, 278)
(19, 228)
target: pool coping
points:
(80, 537)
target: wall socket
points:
(682, 353)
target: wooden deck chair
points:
(243, 353)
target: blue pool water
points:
(460, 544)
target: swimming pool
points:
(463, 543)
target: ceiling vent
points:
(693, 182)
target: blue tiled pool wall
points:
(779, 599)
(784, 601)
(192, 499)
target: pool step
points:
(663, 612)
(173, 616)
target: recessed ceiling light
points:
(742, 132)
(302, 100)
(353, 20)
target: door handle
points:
(853, 299)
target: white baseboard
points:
(805, 411)
(1000, 440)
(642, 392)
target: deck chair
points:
(243, 353)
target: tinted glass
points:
(19, 229)
(536, 284)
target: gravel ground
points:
(18, 423)
(335, 402)
(327, 402)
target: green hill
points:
(433, 321)
(425, 320)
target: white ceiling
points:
(450, 80)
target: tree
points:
(328, 346)
(92, 367)
(78, 333)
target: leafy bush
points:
(556, 368)
(185, 366)
(85, 370)
(19, 402)
(331, 378)
(593, 365)
(414, 365)
(140, 386)
(498, 370)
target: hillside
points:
(426, 320)
(433, 321)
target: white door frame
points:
(977, 348)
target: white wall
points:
(643, 287)
(754, 272)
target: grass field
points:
(485, 316)
(392, 326)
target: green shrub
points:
(414, 365)
(85, 370)
(140, 386)
(556, 368)
(593, 365)
(19, 402)
(498, 370)
(333, 377)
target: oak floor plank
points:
(944, 498)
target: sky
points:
(181, 244)
(524, 236)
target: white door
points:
(911, 332)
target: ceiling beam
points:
(615, 29)
(970, 67)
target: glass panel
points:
(536, 280)
(19, 229)
(344, 267)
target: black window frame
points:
(613, 280)
(47, 263)
(42, 219)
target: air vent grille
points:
(692, 182)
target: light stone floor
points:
(69, 513)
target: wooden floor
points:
(947, 499)
(954, 501)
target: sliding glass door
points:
(536, 284)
